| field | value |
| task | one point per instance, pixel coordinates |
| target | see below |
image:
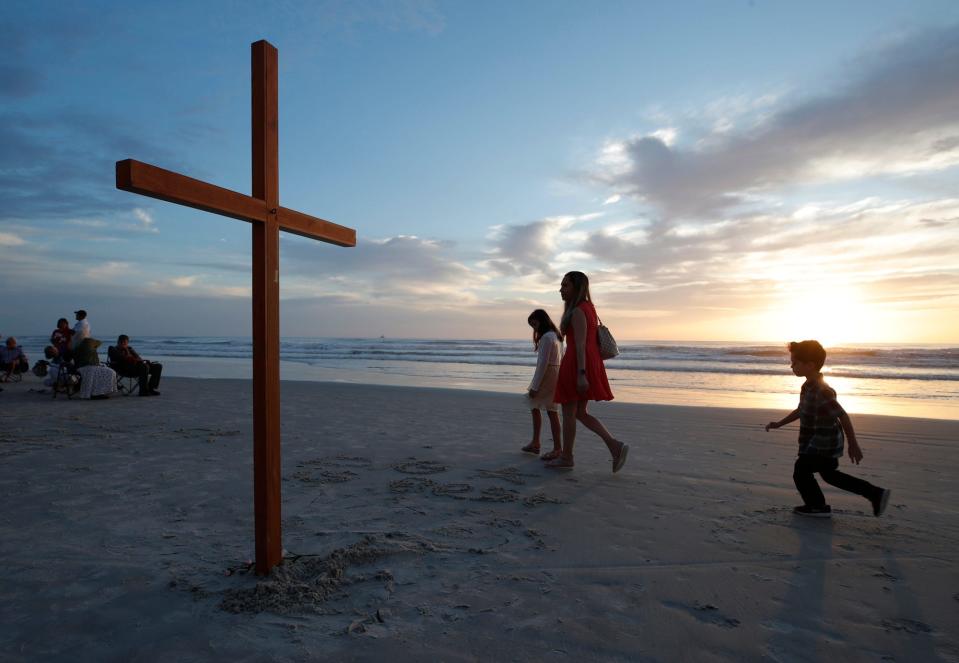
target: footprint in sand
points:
(343, 460)
(455, 531)
(778, 626)
(537, 538)
(454, 490)
(541, 498)
(414, 466)
(497, 494)
(704, 612)
(510, 474)
(459, 491)
(421, 485)
(211, 434)
(324, 476)
(330, 469)
(910, 626)
(513, 476)
(355, 462)
(411, 485)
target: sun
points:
(831, 314)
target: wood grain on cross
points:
(263, 210)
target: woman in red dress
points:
(61, 338)
(582, 376)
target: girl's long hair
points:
(580, 283)
(545, 325)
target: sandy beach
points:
(415, 530)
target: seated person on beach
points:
(125, 361)
(61, 371)
(62, 338)
(85, 352)
(822, 425)
(12, 359)
(97, 381)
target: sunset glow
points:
(810, 192)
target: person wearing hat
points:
(81, 330)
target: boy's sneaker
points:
(813, 511)
(880, 501)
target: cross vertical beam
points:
(263, 211)
(266, 310)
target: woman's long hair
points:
(545, 325)
(580, 283)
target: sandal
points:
(531, 449)
(552, 455)
(620, 460)
(560, 464)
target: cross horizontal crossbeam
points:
(142, 178)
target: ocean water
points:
(920, 381)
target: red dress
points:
(595, 371)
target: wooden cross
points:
(263, 210)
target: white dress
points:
(548, 358)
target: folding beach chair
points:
(65, 382)
(19, 368)
(126, 383)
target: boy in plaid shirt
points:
(822, 423)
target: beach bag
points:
(607, 344)
(40, 368)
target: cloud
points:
(892, 251)
(10, 239)
(183, 281)
(196, 287)
(142, 222)
(61, 165)
(531, 248)
(110, 271)
(239, 265)
(404, 267)
(87, 223)
(145, 222)
(895, 116)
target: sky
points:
(722, 170)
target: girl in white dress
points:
(549, 351)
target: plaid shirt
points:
(819, 431)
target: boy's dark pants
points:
(807, 465)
